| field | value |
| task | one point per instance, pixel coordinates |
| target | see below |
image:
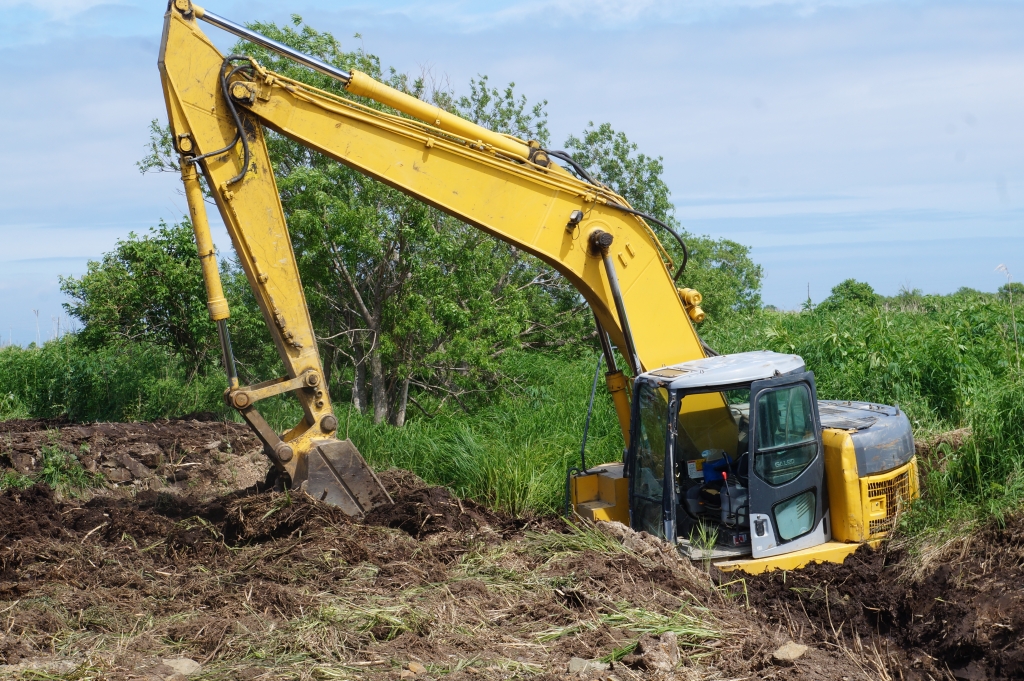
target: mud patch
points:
(960, 618)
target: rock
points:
(658, 654)
(135, 467)
(789, 653)
(670, 644)
(406, 674)
(416, 668)
(148, 453)
(578, 665)
(183, 665)
(117, 475)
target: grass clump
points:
(61, 470)
(691, 623)
(12, 479)
(579, 538)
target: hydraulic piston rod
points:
(364, 86)
(271, 44)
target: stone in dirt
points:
(183, 665)
(789, 653)
(136, 468)
(657, 654)
(578, 665)
(416, 668)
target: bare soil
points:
(184, 554)
(959, 616)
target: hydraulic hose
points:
(582, 172)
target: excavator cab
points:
(729, 458)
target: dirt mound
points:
(190, 557)
(421, 510)
(961, 618)
(190, 456)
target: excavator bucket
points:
(337, 474)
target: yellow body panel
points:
(843, 486)
(601, 494)
(863, 507)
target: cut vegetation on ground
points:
(181, 555)
(260, 584)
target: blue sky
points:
(868, 139)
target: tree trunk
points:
(378, 385)
(402, 401)
(359, 381)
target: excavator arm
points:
(218, 109)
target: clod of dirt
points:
(420, 510)
(29, 513)
(655, 654)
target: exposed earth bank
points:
(182, 555)
(956, 613)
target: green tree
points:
(850, 293)
(1012, 289)
(149, 289)
(720, 268)
(418, 304)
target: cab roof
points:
(742, 367)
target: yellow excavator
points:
(734, 449)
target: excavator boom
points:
(218, 109)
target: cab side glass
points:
(786, 443)
(795, 516)
(649, 461)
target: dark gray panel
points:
(884, 439)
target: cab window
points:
(786, 443)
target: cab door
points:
(786, 468)
(651, 480)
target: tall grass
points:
(948, 361)
(127, 383)
(514, 453)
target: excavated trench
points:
(183, 553)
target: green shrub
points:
(948, 361)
